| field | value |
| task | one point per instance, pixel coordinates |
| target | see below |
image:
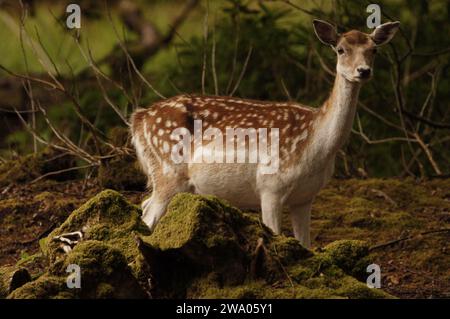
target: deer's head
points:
(355, 50)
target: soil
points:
(374, 210)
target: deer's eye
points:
(340, 51)
(375, 51)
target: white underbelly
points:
(236, 183)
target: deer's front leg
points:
(301, 220)
(271, 208)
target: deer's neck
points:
(335, 119)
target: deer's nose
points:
(364, 72)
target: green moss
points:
(289, 250)
(104, 291)
(259, 290)
(32, 166)
(201, 248)
(107, 255)
(351, 288)
(45, 287)
(196, 224)
(346, 253)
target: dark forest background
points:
(70, 92)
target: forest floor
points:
(378, 211)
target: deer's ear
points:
(326, 32)
(385, 32)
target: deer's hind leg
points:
(164, 188)
(301, 220)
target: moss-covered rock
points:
(241, 258)
(12, 278)
(206, 230)
(109, 257)
(201, 248)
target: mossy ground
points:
(374, 210)
(32, 166)
(378, 211)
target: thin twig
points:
(395, 241)
(244, 68)
(62, 171)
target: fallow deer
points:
(309, 139)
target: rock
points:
(111, 263)
(241, 258)
(12, 278)
(201, 248)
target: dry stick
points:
(398, 98)
(434, 53)
(381, 118)
(61, 137)
(33, 108)
(282, 267)
(205, 42)
(408, 61)
(308, 12)
(176, 23)
(45, 66)
(129, 58)
(65, 139)
(77, 107)
(44, 49)
(43, 234)
(21, 112)
(400, 102)
(344, 158)
(420, 72)
(213, 61)
(395, 241)
(89, 59)
(385, 140)
(27, 77)
(429, 97)
(12, 25)
(62, 171)
(429, 155)
(244, 68)
(40, 139)
(76, 92)
(102, 88)
(131, 78)
(285, 89)
(235, 53)
(406, 166)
